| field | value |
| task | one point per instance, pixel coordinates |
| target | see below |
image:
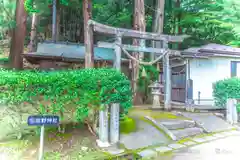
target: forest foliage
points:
(204, 20)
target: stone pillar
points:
(114, 123)
(167, 84)
(232, 116)
(103, 128)
(156, 102)
(189, 96)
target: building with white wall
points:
(206, 65)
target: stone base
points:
(156, 102)
(102, 144)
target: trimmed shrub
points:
(224, 89)
(4, 60)
(238, 108)
(127, 125)
(83, 91)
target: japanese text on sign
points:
(43, 120)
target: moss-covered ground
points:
(156, 114)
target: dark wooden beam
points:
(101, 28)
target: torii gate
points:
(119, 33)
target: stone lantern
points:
(156, 92)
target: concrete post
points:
(232, 116)
(167, 85)
(114, 123)
(103, 128)
(118, 51)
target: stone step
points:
(178, 124)
(183, 133)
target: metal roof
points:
(211, 50)
(68, 52)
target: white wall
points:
(204, 72)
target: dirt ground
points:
(75, 143)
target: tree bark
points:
(179, 29)
(54, 20)
(158, 26)
(33, 36)
(158, 22)
(139, 24)
(88, 34)
(58, 21)
(17, 44)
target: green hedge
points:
(85, 89)
(224, 89)
(4, 60)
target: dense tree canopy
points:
(204, 20)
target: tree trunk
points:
(179, 29)
(88, 34)
(158, 21)
(139, 24)
(33, 36)
(17, 44)
(158, 25)
(58, 21)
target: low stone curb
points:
(147, 153)
(165, 129)
(153, 152)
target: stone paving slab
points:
(176, 146)
(146, 135)
(187, 132)
(221, 149)
(162, 127)
(209, 121)
(147, 153)
(189, 143)
(199, 140)
(235, 132)
(176, 123)
(163, 149)
(227, 133)
(231, 133)
(210, 138)
(219, 135)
